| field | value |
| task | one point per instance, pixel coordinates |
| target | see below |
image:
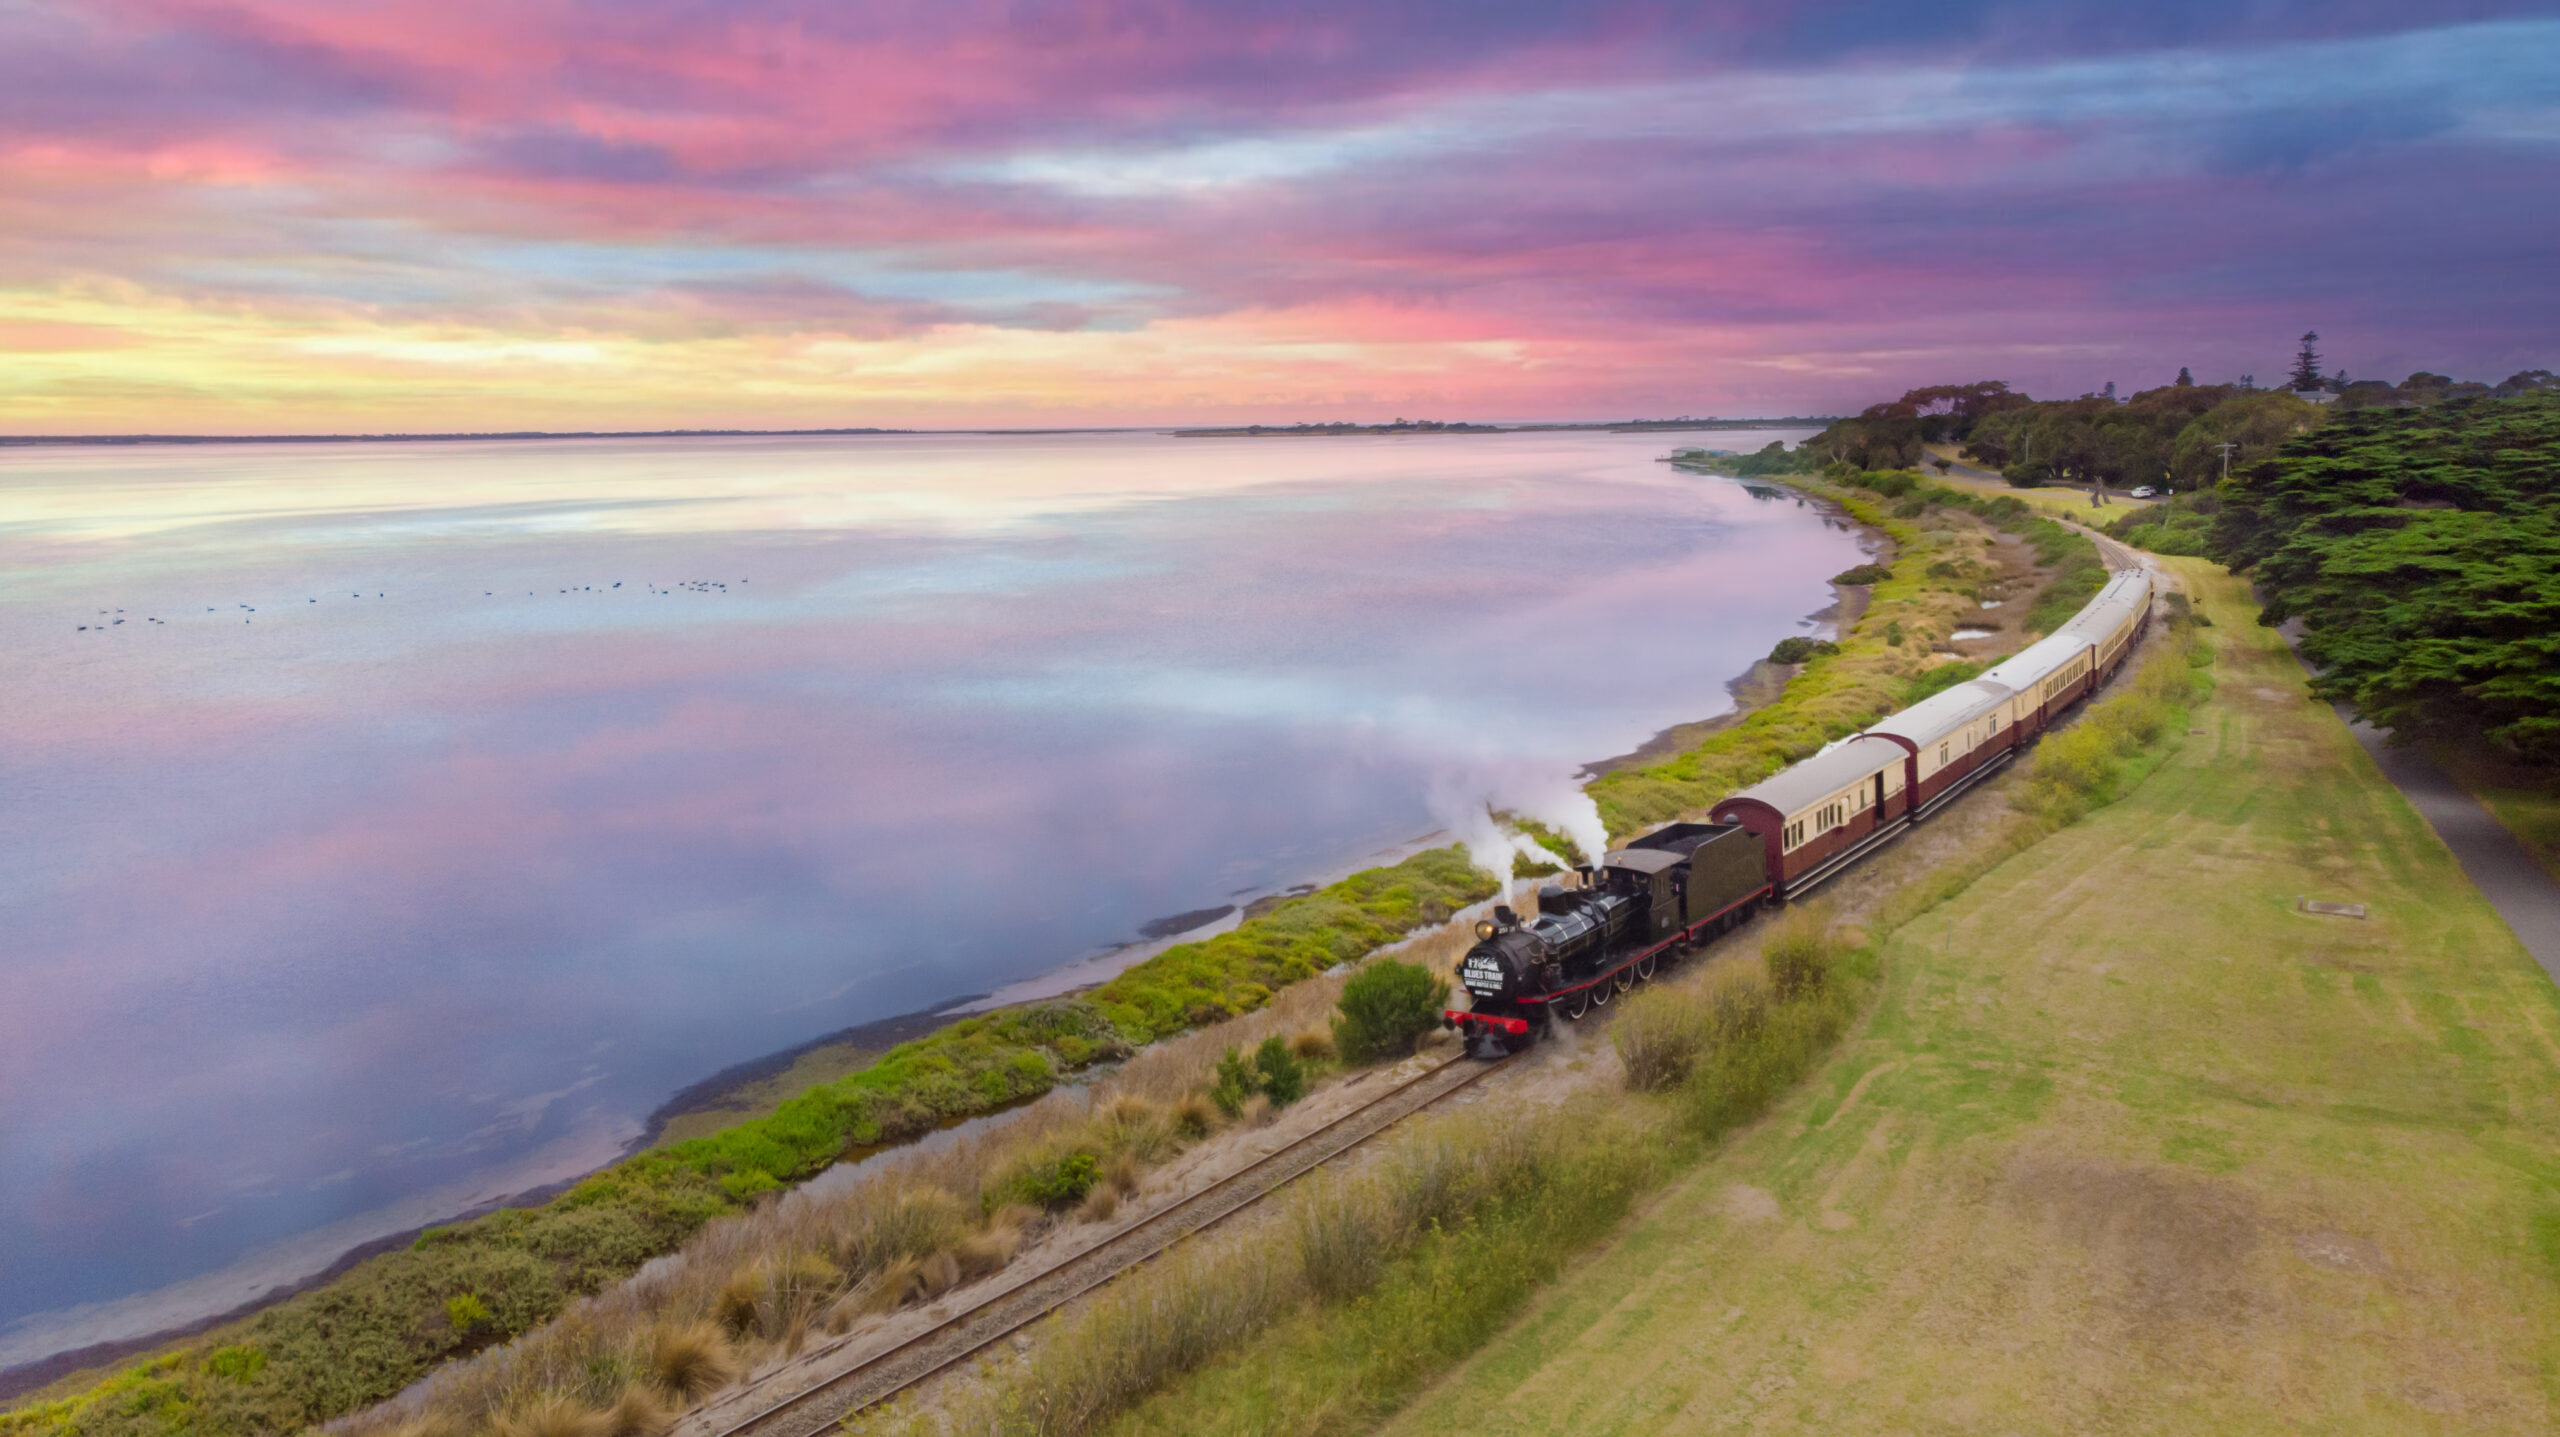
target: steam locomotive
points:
(1683, 886)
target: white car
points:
(2146, 492)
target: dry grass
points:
(691, 1361)
(1664, 1029)
(551, 1417)
(1333, 1238)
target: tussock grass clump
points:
(690, 1361)
(1312, 1045)
(638, 1412)
(1195, 1116)
(1799, 955)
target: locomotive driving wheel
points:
(1626, 978)
(1601, 992)
(1644, 967)
(1577, 1005)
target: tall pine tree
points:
(2306, 366)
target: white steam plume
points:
(1465, 806)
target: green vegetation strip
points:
(366, 1335)
(1934, 577)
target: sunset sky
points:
(299, 215)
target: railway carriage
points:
(1819, 816)
(1782, 837)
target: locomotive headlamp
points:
(1484, 928)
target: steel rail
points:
(999, 1315)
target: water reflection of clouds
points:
(369, 893)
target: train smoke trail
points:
(1466, 805)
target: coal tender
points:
(1658, 897)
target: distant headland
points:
(1434, 426)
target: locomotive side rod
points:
(965, 1334)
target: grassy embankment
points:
(1372, 1285)
(1935, 581)
(467, 1287)
(2130, 1143)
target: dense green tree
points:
(2421, 548)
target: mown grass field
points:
(2128, 1144)
(2054, 502)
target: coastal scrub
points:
(1939, 534)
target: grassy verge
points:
(1940, 537)
(471, 1286)
(2130, 1143)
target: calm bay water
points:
(435, 811)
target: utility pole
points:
(2226, 449)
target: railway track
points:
(819, 1404)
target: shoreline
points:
(847, 1050)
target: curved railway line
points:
(834, 1382)
(758, 1410)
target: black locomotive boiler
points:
(1582, 946)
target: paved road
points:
(2496, 862)
(2521, 889)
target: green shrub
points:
(465, 1312)
(1236, 1082)
(1800, 649)
(1283, 1077)
(1863, 574)
(1058, 1183)
(1386, 1008)
(1659, 1033)
(1799, 957)
(237, 1363)
(1735, 1078)
(1938, 680)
